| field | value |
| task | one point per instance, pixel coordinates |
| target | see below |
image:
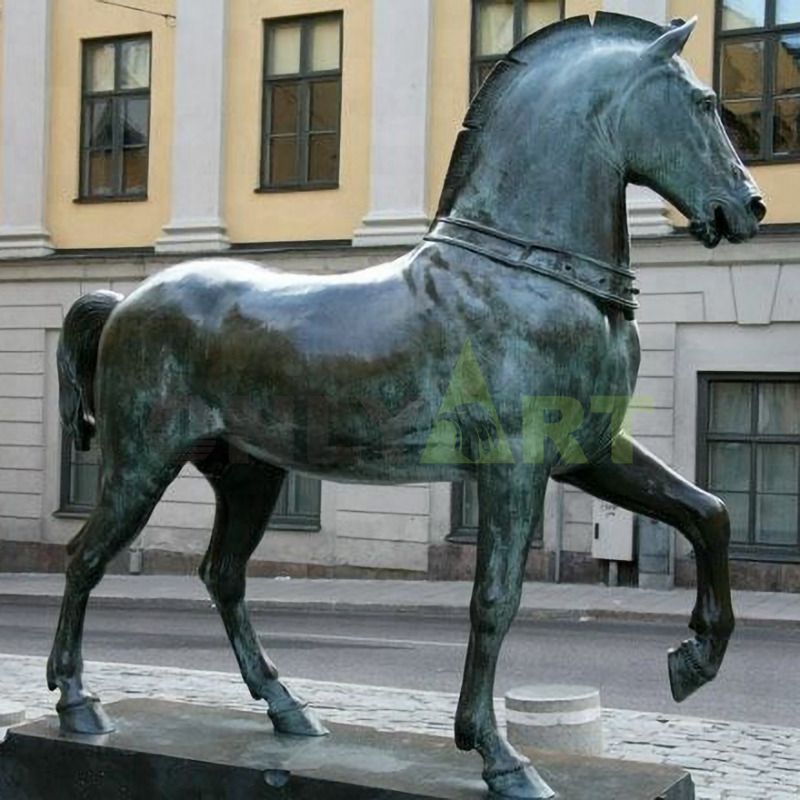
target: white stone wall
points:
(735, 308)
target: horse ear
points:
(673, 41)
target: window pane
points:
(482, 72)
(325, 47)
(776, 519)
(743, 14)
(778, 468)
(742, 118)
(100, 128)
(786, 133)
(284, 109)
(100, 73)
(779, 408)
(729, 466)
(495, 34)
(469, 504)
(284, 50)
(729, 407)
(742, 69)
(738, 505)
(787, 11)
(325, 106)
(323, 157)
(84, 474)
(134, 171)
(787, 66)
(135, 64)
(283, 160)
(135, 122)
(304, 494)
(539, 13)
(101, 172)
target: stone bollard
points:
(565, 719)
(11, 714)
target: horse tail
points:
(77, 363)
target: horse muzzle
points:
(737, 222)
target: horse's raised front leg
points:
(648, 486)
(246, 492)
(510, 501)
(126, 501)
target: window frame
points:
(282, 518)
(476, 60)
(750, 551)
(461, 533)
(769, 33)
(304, 78)
(117, 146)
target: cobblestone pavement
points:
(728, 761)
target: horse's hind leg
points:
(126, 501)
(246, 492)
(648, 486)
(510, 502)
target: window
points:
(302, 103)
(497, 25)
(298, 506)
(758, 76)
(749, 455)
(464, 515)
(115, 114)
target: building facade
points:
(315, 136)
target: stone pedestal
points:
(177, 750)
(11, 714)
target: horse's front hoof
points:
(524, 782)
(87, 716)
(297, 721)
(689, 668)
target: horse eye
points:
(708, 104)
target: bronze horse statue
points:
(212, 362)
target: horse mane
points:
(509, 68)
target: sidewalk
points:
(728, 760)
(539, 600)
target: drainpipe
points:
(559, 529)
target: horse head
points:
(674, 142)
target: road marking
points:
(324, 637)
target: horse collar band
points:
(610, 284)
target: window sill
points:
(785, 556)
(772, 162)
(72, 513)
(299, 525)
(300, 187)
(138, 198)
(469, 536)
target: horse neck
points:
(550, 177)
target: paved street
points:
(729, 761)
(625, 658)
(371, 652)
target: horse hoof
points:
(688, 669)
(524, 783)
(88, 717)
(297, 721)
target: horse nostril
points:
(758, 208)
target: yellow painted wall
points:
(304, 215)
(450, 81)
(778, 182)
(109, 224)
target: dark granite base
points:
(169, 751)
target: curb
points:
(429, 610)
